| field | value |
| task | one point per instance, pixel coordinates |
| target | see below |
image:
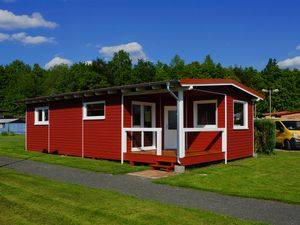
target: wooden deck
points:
(191, 158)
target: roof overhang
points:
(143, 88)
(125, 89)
(220, 82)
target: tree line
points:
(19, 80)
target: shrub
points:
(7, 133)
(265, 136)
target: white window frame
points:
(36, 115)
(245, 115)
(84, 111)
(153, 118)
(196, 103)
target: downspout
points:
(175, 96)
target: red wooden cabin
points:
(185, 122)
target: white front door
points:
(170, 125)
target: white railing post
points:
(180, 133)
(158, 142)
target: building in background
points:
(16, 126)
(295, 115)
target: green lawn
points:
(13, 146)
(28, 199)
(275, 177)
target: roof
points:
(142, 87)
(9, 120)
(221, 82)
(282, 113)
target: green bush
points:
(8, 133)
(265, 136)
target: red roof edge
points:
(192, 81)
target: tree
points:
(143, 71)
(120, 68)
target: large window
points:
(205, 114)
(143, 115)
(41, 115)
(240, 116)
(94, 110)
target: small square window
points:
(205, 114)
(41, 116)
(240, 116)
(94, 110)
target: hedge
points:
(265, 136)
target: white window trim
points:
(245, 111)
(84, 111)
(36, 116)
(195, 113)
(153, 118)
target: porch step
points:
(161, 165)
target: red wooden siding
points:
(203, 141)
(239, 142)
(102, 138)
(65, 127)
(37, 136)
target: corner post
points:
(180, 130)
(123, 132)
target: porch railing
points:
(157, 139)
(198, 129)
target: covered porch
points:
(171, 125)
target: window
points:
(279, 127)
(2, 125)
(94, 110)
(41, 115)
(205, 113)
(240, 116)
(143, 114)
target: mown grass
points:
(275, 177)
(28, 199)
(13, 146)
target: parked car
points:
(288, 134)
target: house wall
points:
(200, 141)
(37, 135)
(239, 142)
(68, 134)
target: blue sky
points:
(245, 33)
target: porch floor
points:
(191, 157)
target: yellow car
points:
(288, 134)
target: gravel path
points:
(254, 209)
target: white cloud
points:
(26, 39)
(88, 62)
(292, 63)
(4, 37)
(134, 49)
(58, 61)
(9, 20)
(298, 47)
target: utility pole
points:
(270, 97)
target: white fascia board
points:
(222, 84)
